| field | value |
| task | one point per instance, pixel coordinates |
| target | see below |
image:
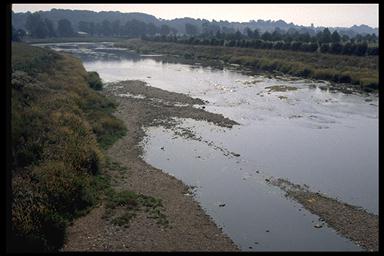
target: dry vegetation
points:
(60, 126)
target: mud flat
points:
(350, 221)
(189, 228)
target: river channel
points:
(296, 129)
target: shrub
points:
(94, 81)
(35, 226)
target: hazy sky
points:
(332, 15)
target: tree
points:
(361, 49)
(348, 49)
(336, 48)
(256, 34)
(335, 37)
(276, 36)
(305, 37)
(266, 36)
(64, 28)
(344, 38)
(248, 32)
(83, 26)
(139, 28)
(152, 29)
(92, 28)
(190, 29)
(238, 35)
(50, 30)
(324, 48)
(36, 26)
(15, 36)
(106, 29)
(296, 46)
(116, 27)
(205, 26)
(326, 36)
(373, 51)
(164, 30)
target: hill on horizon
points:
(75, 16)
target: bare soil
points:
(190, 229)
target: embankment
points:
(60, 126)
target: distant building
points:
(81, 33)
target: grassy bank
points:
(60, 126)
(362, 72)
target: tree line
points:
(37, 27)
(323, 41)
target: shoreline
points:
(190, 228)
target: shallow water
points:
(327, 140)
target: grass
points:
(124, 219)
(131, 203)
(60, 126)
(115, 166)
(360, 72)
(123, 206)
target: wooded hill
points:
(179, 24)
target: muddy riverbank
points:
(189, 229)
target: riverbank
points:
(60, 126)
(188, 228)
(345, 71)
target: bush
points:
(35, 225)
(94, 81)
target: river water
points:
(325, 139)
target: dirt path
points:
(190, 229)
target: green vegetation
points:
(94, 81)
(58, 127)
(131, 202)
(322, 41)
(362, 72)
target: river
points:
(325, 139)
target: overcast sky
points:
(331, 15)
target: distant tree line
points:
(323, 41)
(209, 34)
(38, 27)
(132, 28)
